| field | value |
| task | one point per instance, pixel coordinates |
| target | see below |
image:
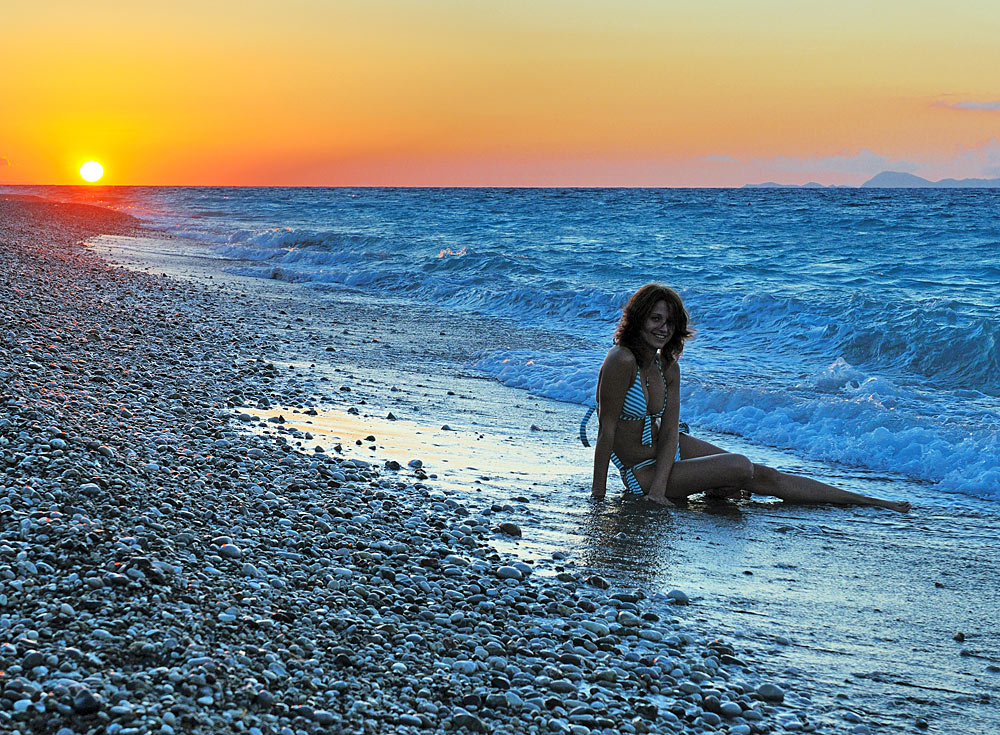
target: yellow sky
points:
(468, 92)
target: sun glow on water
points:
(91, 171)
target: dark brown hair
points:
(638, 309)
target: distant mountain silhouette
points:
(900, 180)
(776, 185)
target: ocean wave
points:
(930, 338)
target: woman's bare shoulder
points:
(619, 366)
(619, 357)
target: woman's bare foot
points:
(900, 507)
(659, 500)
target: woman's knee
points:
(742, 468)
(765, 474)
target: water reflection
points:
(636, 542)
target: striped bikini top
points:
(636, 409)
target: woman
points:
(638, 406)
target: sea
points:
(852, 333)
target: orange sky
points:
(466, 92)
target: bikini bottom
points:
(628, 473)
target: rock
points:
(677, 597)
(730, 710)
(629, 620)
(647, 710)
(596, 627)
(85, 703)
(770, 693)
(230, 551)
(711, 718)
(599, 582)
(461, 718)
(509, 529)
(325, 718)
(506, 572)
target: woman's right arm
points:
(617, 374)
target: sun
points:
(91, 171)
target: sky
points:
(511, 93)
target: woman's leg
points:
(700, 474)
(692, 448)
(790, 488)
(798, 489)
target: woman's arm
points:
(616, 376)
(666, 437)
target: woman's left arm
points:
(666, 437)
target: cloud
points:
(4, 161)
(981, 160)
(966, 104)
(864, 163)
(970, 105)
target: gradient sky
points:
(512, 93)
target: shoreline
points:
(166, 571)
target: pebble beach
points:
(165, 569)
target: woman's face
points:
(658, 327)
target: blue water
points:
(854, 326)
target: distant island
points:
(892, 180)
(810, 185)
(899, 180)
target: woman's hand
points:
(659, 500)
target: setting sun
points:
(91, 171)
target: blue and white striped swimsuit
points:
(636, 409)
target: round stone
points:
(678, 597)
(770, 692)
(510, 529)
(730, 710)
(230, 551)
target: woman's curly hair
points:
(637, 310)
